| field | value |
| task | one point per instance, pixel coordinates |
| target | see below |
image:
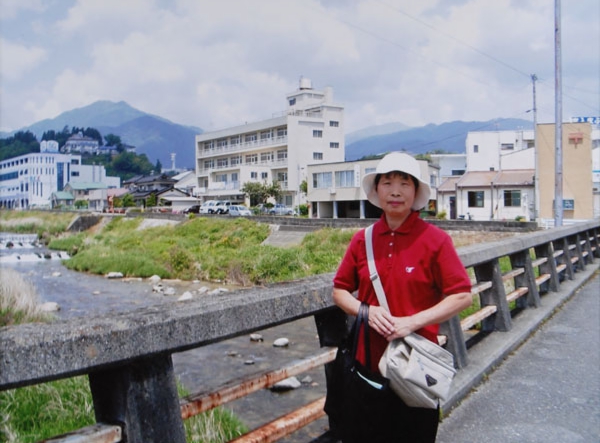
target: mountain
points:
(449, 137)
(372, 131)
(152, 135)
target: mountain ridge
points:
(158, 137)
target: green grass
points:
(211, 249)
(35, 413)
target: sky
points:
(220, 63)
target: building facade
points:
(29, 180)
(309, 132)
(578, 140)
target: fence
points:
(128, 356)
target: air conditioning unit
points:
(332, 190)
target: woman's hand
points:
(381, 321)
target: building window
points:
(252, 159)
(222, 162)
(512, 198)
(208, 164)
(264, 175)
(292, 101)
(234, 177)
(334, 124)
(369, 170)
(209, 145)
(235, 140)
(75, 174)
(334, 145)
(344, 179)
(236, 160)
(475, 149)
(74, 161)
(254, 175)
(248, 138)
(265, 135)
(222, 178)
(507, 146)
(317, 156)
(222, 143)
(282, 154)
(281, 132)
(266, 157)
(317, 133)
(475, 199)
(322, 180)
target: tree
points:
(304, 186)
(260, 192)
(23, 142)
(158, 167)
(114, 140)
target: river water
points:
(80, 295)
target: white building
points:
(30, 180)
(500, 150)
(309, 132)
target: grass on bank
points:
(202, 248)
(39, 412)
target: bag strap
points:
(373, 275)
(362, 319)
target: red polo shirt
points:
(417, 264)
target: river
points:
(80, 295)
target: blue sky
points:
(215, 64)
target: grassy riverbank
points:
(210, 249)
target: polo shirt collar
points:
(381, 227)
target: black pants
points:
(386, 419)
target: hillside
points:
(152, 135)
(449, 137)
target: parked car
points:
(281, 209)
(192, 210)
(222, 207)
(239, 210)
(208, 207)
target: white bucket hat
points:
(397, 161)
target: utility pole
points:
(536, 178)
(558, 174)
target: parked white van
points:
(208, 207)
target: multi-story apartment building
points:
(30, 180)
(309, 132)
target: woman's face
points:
(396, 194)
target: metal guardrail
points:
(128, 357)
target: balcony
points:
(241, 147)
(268, 164)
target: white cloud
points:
(12, 8)
(216, 64)
(19, 59)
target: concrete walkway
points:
(548, 390)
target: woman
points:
(424, 281)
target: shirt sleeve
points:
(346, 276)
(451, 275)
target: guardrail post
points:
(582, 259)
(546, 250)
(522, 259)
(142, 398)
(495, 296)
(456, 341)
(566, 259)
(588, 247)
(595, 241)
